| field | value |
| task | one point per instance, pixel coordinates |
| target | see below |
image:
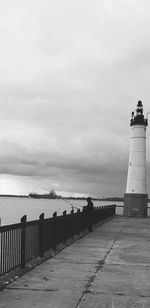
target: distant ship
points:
(51, 195)
(38, 196)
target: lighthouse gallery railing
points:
(22, 242)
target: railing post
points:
(72, 223)
(84, 219)
(94, 217)
(41, 235)
(91, 214)
(96, 214)
(55, 230)
(78, 222)
(114, 209)
(23, 241)
(102, 214)
(65, 226)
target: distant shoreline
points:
(60, 197)
(118, 199)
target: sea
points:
(13, 208)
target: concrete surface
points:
(109, 267)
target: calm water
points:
(12, 209)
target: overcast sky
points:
(71, 72)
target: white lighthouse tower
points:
(135, 198)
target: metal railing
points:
(22, 242)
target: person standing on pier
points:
(90, 208)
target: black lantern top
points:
(137, 118)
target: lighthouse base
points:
(135, 205)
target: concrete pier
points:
(109, 267)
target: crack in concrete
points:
(99, 267)
(86, 263)
(30, 289)
(130, 264)
(116, 294)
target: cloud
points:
(70, 74)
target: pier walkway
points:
(109, 267)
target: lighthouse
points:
(135, 198)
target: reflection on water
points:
(12, 209)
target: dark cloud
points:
(70, 74)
